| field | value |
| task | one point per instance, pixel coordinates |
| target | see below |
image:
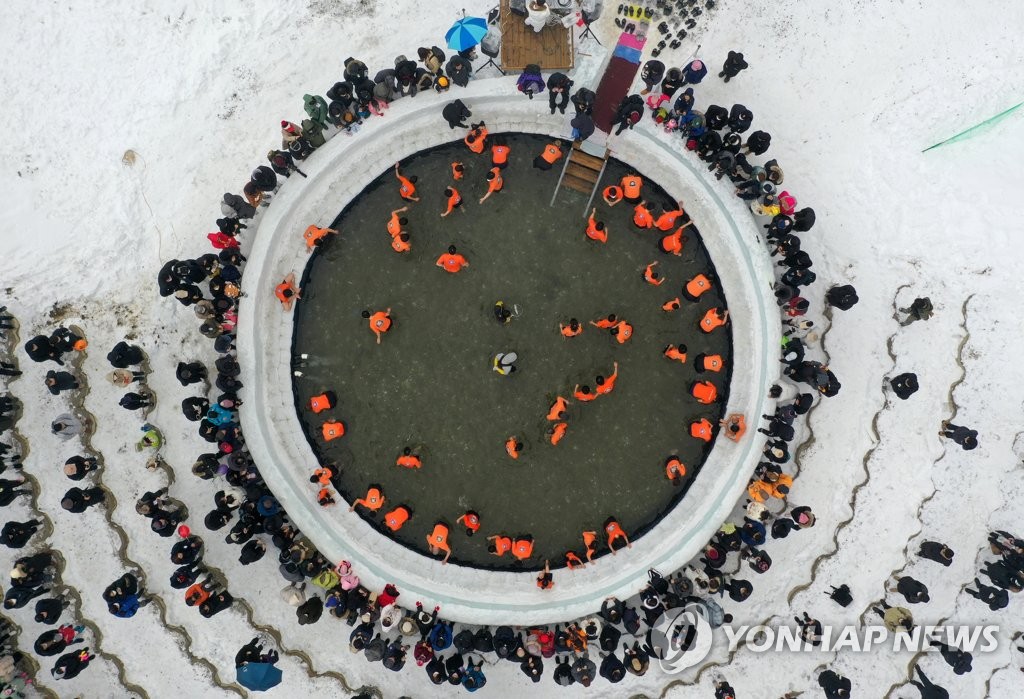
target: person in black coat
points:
(904, 386)
(134, 401)
(757, 142)
(50, 643)
(459, 70)
(48, 611)
(612, 668)
(18, 597)
(913, 591)
(40, 349)
(533, 667)
(740, 118)
(835, 685)
(716, 117)
(928, 689)
(803, 220)
(456, 113)
(282, 163)
(651, 74)
(996, 598)
(217, 603)
(9, 490)
(558, 91)
(124, 355)
(629, 113)
(264, 178)
(252, 551)
(583, 100)
(734, 63)
(843, 297)
(190, 373)
(965, 437)
(583, 127)
(70, 665)
(934, 551)
(167, 280)
(77, 500)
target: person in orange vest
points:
(583, 395)
(589, 540)
(406, 185)
(701, 429)
(409, 460)
(457, 171)
(667, 220)
(704, 391)
(476, 139)
(454, 200)
(325, 401)
(651, 276)
(545, 580)
(522, 547)
(325, 497)
(595, 229)
(557, 432)
(494, 183)
(499, 152)
(332, 430)
(437, 541)
(549, 156)
(286, 292)
(322, 475)
(642, 217)
(471, 520)
(513, 446)
(395, 223)
(671, 305)
(500, 545)
(673, 242)
(714, 318)
(606, 323)
(557, 410)
(677, 354)
(452, 262)
(675, 471)
(400, 243)
(615, 532)
(397, 517)
(572, 329)
(735, 426)
(380, 322)
(572, 560)
(622, 331)
(315, 236)
(631, 186)
(612, 195)
(696, 287)
(708, 362)
(373, 501)
(606, 386)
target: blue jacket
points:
(127, 606)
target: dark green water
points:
(430, 384)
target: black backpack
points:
(841, 595)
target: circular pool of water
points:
(430, 386)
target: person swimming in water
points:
(505, 363)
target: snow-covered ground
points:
(128, 122)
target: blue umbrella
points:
(465, 33)
(258, 677)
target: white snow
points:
(851, 92)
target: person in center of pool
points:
(452, 262)
(395, 222)
(557, 432)
(409, 460)
(558, 408)
(652, 277)
(513, 446)
(676, 353)
(605, 323)
(380, 322)
(596, 230)
(495, 182)
(622, 331)
(572, 329)
(501, 313)
(584, 394)
(453, 199)
(437, 541)
(505, 363)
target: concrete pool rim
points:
(337, 173)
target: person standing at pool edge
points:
(437, 541)
(380, 322)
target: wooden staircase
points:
(582, 170)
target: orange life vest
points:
(623, 331)
(374, 499)
(558, 432)
(409, 461)
(674, 469)
(606, 323)
(567, 330)
(614, 532)
(511, 449)
(551, 153)
(399, 245)
(608, 385)
(280, 289)
(612, 193)
(572, 560)
(672, 352)
(394, 225)
(452, 263)
(557, 411)
(584, 397)
(705, 392)
(711, 362)
(522, 548)
(667, 220)
(588, 541)
(697, 286)
(642, 217)
(457, 170)
(439, 537)
(711, 320)
(396, 518)
(495, 183)
(471, 521)
(670, 305)
(313, 235)
(333, 430)
(454, 199)
(406, 188)
(476, 139)
(320, 403)
(649, 275)
(673, 242)
(631, 185)
(380, 322)
(502, 545)
(595, 233)
(499, 154)
(701, 429)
